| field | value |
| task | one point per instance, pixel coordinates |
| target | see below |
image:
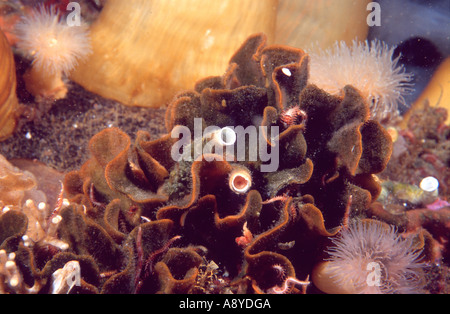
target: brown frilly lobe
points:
(149, 223)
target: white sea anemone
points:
(373, 258)
(51, 42)
(54, 46)
(368, 67)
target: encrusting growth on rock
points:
(140, 221)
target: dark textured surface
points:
(59, 137)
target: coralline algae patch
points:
(134, 219)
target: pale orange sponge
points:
(55, 48)
(370, 67)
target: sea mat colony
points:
(139, 221)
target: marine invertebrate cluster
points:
(370, 67)
(55, 47)
(140, 221)
(422, 149)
